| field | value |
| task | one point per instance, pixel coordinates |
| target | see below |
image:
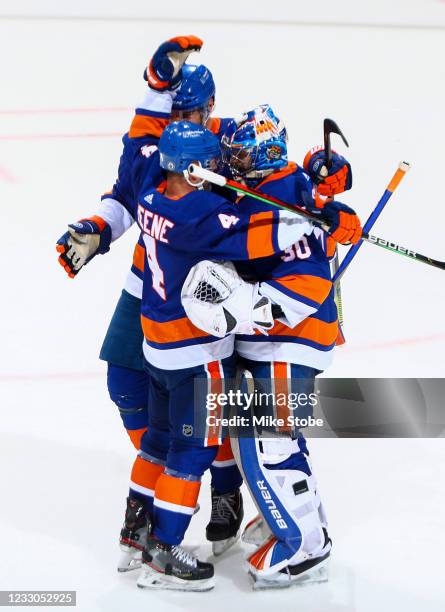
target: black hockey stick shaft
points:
(330, 127)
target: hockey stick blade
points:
(330, 127)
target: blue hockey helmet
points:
(195, 91)
(183, 143)
(256, 145)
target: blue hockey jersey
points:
(139, 170)
(177, 234)
(299, 280)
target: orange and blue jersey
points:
(135, 276)
(299, 280)
(177, 234)
(139, 170)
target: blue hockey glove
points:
(345, 226)
(165, 68)
(82, 241)
(330, 182)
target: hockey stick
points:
(392, 186)
(217, 179)
(330, 127)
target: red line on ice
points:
(50, 376)
(395, 343)
(55, 136)
(88, 375)
(35, 111)
(6, 176)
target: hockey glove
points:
(345, 226)
(164, 70)
(82, 242)
(218, 301)
(336, 179)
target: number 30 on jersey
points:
(299, 250)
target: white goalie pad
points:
(218, 301)
(287, 499)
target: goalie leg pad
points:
(279, 478)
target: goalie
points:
(294, 287)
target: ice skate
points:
(133, 536)
(225, 520)
(308, 571)
(171, 567)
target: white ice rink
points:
(67, 91)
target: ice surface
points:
(64, 459)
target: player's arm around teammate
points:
(175, 90)
(287, 359)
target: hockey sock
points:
(226, 476)
(144, 476)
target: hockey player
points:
(298, 347)
(176, 91)
(127, 382)
(182, 224)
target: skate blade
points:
(129, 561)
(220, 547)
(150, 579)
(314, 575)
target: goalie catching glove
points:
(218, 301)
(82, 242)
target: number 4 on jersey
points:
(227, 220)
(155, 268)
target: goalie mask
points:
(256, 146)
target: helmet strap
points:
(196, 185)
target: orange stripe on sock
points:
(177, 490)
(145, 473)
(136, 436)
(225, 451)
